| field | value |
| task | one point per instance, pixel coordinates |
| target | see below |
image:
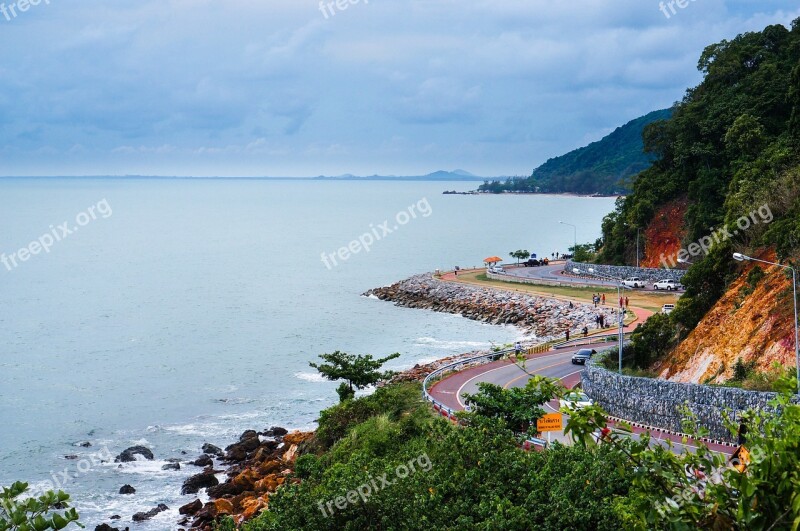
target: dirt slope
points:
(756, 327)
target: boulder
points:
(141, 517)
(191, 508)
(276, 431)
(171, 466)
(127, 489)
(203, 461)
(210, 449)
(130, 454)
(203, 480)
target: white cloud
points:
(211, 88)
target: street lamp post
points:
(621, 312)
(575, 236)
(741, 258)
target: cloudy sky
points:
(293, 88)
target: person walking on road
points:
(567, 334)
(518, 349)
(627, 301)
(604, 299)
(585, 331)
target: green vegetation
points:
(358, 371)
(478, 479)
(603, 167)
(519, 407)
(476, 476)
(520, 255)
(39, 513)
(731, 152)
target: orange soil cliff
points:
(756, 328)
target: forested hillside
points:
(730, 156)
(603, 167)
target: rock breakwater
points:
(542, 316)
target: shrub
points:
(35, 513)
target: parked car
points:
(575, 400)
(497, 269)
(633, 282)
(667, 309)
(668, 284)
(582, 356)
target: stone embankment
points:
(646, 273)
(661, 404)
(546, 318)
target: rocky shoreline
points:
(254, 468)
(545, 317)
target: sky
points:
(303, 88)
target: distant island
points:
(441, 175)
(605, 167)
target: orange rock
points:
(253, 506)
(268, 484)
(246, 479)
(224, 506)
(269, 467)
(290, 454)
(297, 437)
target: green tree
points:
(35, 513)
(519, 407)
(520, 255)
(357, 371)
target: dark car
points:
(582, 356)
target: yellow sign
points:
(740, 459)
(550, 422)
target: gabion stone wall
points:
(650, 275)
(657, 403)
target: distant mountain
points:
(441, 175)
(603, 167)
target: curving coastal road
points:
(553, 364)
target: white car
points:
(575, 400)
(669, 285)
(633, 282)
(497, 269)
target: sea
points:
(174, 312)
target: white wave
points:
(310, 377)
(451, 345)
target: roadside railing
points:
(454, 367)
(603, 338)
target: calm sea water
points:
(183, 312)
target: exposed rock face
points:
(130, 454)
(543, 316)
(756, 328)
